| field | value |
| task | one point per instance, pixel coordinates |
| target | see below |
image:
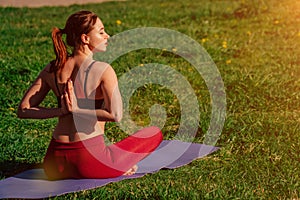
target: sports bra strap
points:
(56, 84)
(86, 77)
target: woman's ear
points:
(85, 38)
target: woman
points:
(88, 96)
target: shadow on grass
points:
(11, 168)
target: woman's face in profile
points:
(98, 38)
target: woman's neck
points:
(82, 58)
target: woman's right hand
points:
(69, 101)
(66, 101)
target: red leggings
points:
(91, 158)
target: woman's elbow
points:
(118, 117)
(116, 114)
(20, 113)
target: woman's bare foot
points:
(131, 171)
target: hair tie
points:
(62, 31)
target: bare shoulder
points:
(104, 68)
(45, 74)
(46, 71)
(101, 65)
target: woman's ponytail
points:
(60, 49)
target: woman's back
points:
(86, 79)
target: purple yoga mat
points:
(33, 184)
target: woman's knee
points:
(149, 132)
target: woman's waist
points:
(63, 142)
(70, 132)
(68, 125)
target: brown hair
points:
(79, 23)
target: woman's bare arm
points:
(29, 107)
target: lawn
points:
(255, 47)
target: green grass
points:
(260, 66)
